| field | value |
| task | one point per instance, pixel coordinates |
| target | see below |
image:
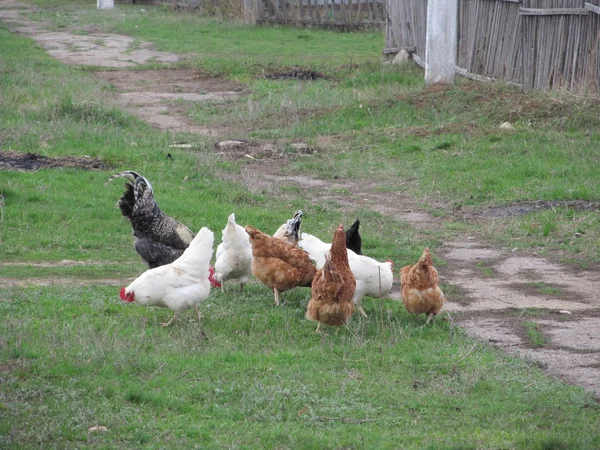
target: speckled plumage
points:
(159, 239)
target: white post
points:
(441, 44)
(106, 4)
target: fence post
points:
(105, 4)
(250, 11)
(442, 41)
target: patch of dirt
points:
(572, 349)
(242, 148)
(490, 290)
(155, 96)
(267, 175)
(9, 366)
(92, 49)
(294, 74)
(448, 128)
(33, 161)
(522, 208)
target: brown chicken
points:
(333, 286)
(420, 290)
(279, 265)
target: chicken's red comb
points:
(122, 294)
(211, 277)
(391, 262)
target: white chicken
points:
(288, 232)
(234, 254)
(373, 278)
(180, 285)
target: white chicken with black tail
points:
(180, 285)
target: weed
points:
(534, 334)
(485, 270)
(546, 289)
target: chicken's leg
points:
(429, 317)
(164, 325)
(318, 326)
(198, 315)
(362, 312)
(276, 296)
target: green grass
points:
(252, 375)
(258, 376)
(484, 269)
(534, 334)
(546, 289)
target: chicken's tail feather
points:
(197, 256)
(354, 228)
(129, 174)
(235, 233)
(134, 189)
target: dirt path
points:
(500, 293)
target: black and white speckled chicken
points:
(158, 238)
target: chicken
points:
(353, 239)
(279, 265)
(288, 232)
(180, 285)
(373, 278)
(158, 238)
(234, 254)
(420, 290)
(333, 286)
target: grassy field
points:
(251, 375)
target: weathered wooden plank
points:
(592, 8)
(553, 12)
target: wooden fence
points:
(539, 44)
(343, 15)
(230, 9)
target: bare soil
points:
(492, 291)
(156, 96)
(33, 161)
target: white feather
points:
(234, 254)
(373, 278)
(181, 285)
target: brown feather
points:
(420, 290)
(278, 264)
(333, 286)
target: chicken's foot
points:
(198, 315)
(362, 312)
(164, 325)
(276, 296)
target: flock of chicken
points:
(180, 275)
